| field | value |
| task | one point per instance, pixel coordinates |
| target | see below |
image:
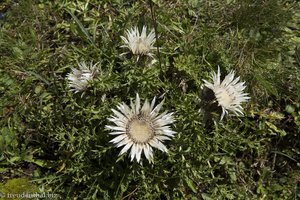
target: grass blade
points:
(85, 32)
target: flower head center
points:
(142, 45)
(140, 130)
(224, 98)
(78, 74)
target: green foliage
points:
(58, 139)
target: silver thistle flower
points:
(141, 128)
(79, 79)
(229, 93)
(139, 43)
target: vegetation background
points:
(52, 140)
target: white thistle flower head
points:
(141, 128)
(229, 93)
(79, 79)
(139, 43)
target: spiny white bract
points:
(141, 128)
(139, 43)
(79, 79)
(229, 93)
